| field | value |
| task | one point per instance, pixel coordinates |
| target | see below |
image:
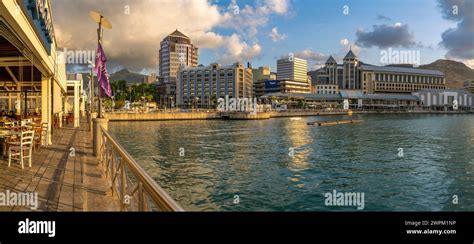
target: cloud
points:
(247, 19)
(139, 27)
(346, 45)
(276, 36)
(384, 36)
(383, 17)
(315, 59)
(238, 50)
(278, 6)
(458, 41)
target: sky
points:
(261, 31)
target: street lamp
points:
(91, 87)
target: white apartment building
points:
(202, 86)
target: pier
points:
(65, 175)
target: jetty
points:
(334, 122)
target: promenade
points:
(65, 175)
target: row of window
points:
(408, 78)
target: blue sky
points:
(320, 25)
(310, 29)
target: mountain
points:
(129, 77)
(456, 72)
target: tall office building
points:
(295, 69)
(203, 85)
(291, 77)
(176, 51)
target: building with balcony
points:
(202, 86)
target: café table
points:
(4, 133)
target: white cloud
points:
(344, 42)
(276, 36)
(278, 6)
(238, 50)
(398, 24)
(134, 40)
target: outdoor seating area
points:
(19, 138)
(63, 181)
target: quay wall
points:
(126, 116)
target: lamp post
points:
(91, 87)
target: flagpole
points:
(99, 42)
(102, 23)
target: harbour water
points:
(401, 162)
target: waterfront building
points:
(176, 52)
(469, 86)
(387, 79)
(449, 99)
(261, 75)
(294, 69)
(350, 72)
(357, 100)
(291, 77)
(32, 74)
(202, 86)
(327, 89)
(355, 75)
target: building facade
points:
(292, 69)
(354, 75)
(377, 79)
(469, 86)
(202, 86)
(176, 52)
(291, 77)
(450, 99)
(261, 75)
(32, 72)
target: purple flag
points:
(101, 70)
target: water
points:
(250, 159)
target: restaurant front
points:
(33, 81)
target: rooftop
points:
(401, 70)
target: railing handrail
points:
(156, 193)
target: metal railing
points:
(136, 190)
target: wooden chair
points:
(22, 149)
(38, 133)
(44, 134)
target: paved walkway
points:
(65, 179)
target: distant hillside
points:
(129, 77)
(456, 72)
